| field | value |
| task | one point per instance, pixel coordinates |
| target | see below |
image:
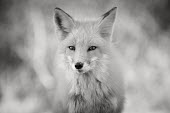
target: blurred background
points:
(27, 41)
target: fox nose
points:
(79, 65)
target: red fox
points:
(88, 59)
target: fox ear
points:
(64, 22)
(106, 23)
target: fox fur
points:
(98, 87)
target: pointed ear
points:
(64, 22)
(106, 23)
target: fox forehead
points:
(84, 33)
(87, 27)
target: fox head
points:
(85, 45)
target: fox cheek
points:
(94, 59)
(93, 62)
(70, 59)
(71, 62)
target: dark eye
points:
(92, 48)
(72, 48)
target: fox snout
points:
(79, 65)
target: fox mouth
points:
(81, 71)
(86, 69)
(82, 67)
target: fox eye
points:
(92, 48)
(72, 48)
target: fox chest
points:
(78, 104)
(91, 98)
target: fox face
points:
(85, 45)
(83, 50)
(83, 55)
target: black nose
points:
(79, 65)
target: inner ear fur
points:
(63, 21)
(106, 23)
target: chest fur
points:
(89, 95)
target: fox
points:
(91, 79)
